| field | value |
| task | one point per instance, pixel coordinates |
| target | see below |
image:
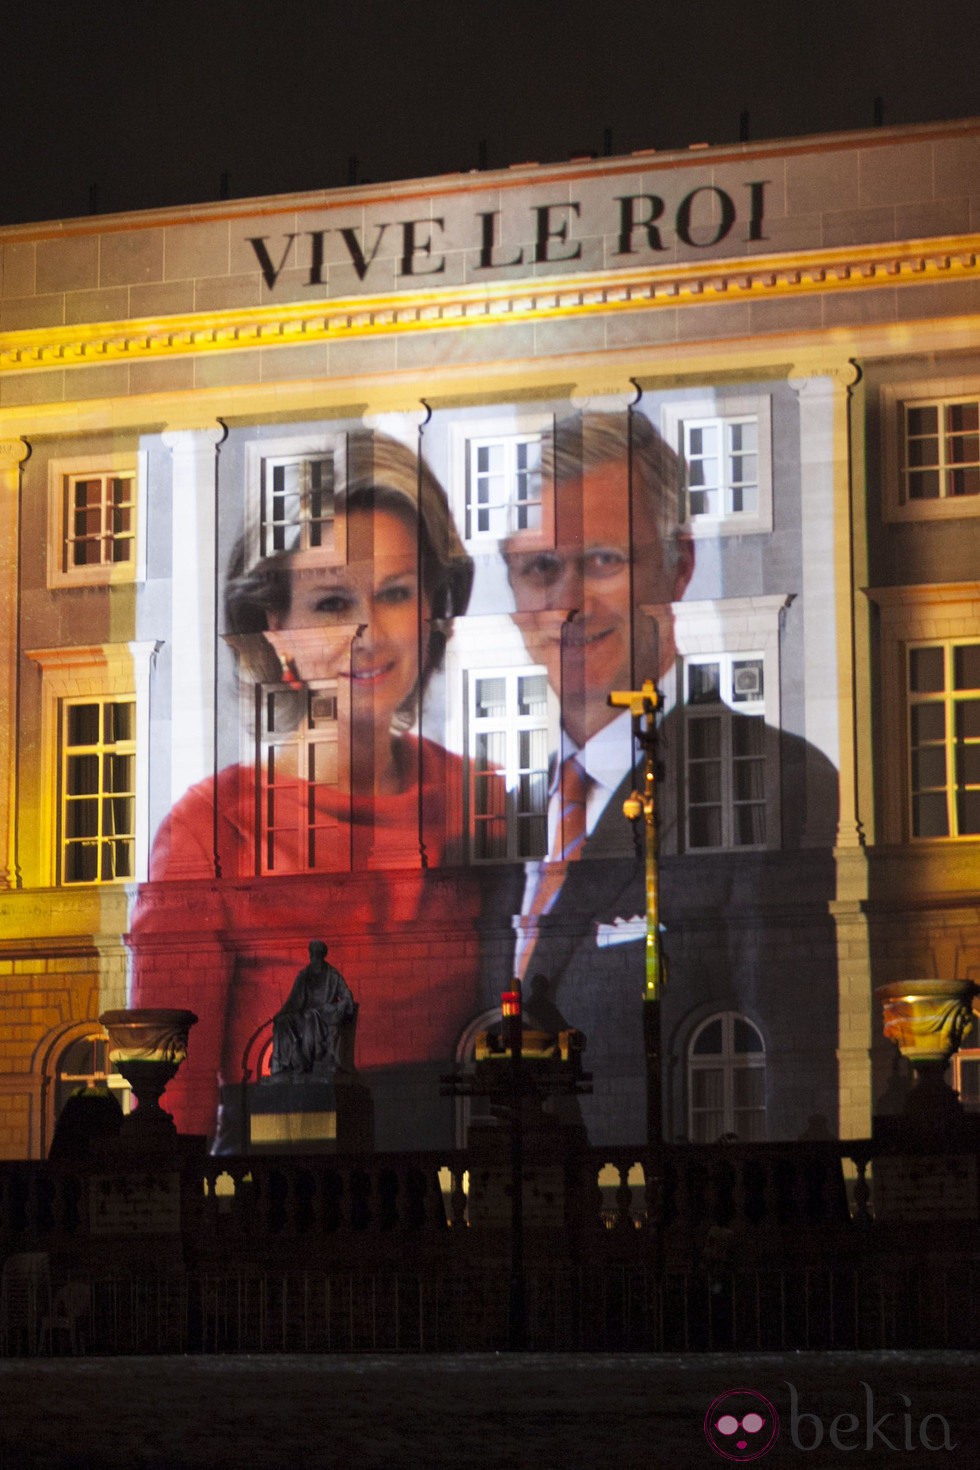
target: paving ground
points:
(483, 1412)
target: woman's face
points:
(378, 595)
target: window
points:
(503, 491)
(98, 795)
(726, 444)
(944, 739)
(297, 508)
(722, 457)
(931, 455)
(90, 787)
(724, 750)
(497, 486)
(299, 827)
(510, 729)
(95, 521)
(293, 485)
(726, 1069)
(942, 449)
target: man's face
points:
(589, 654)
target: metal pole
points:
(517, 1299)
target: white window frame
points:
(942, 613)
(728, 1061)
(99, 671)
(731, 628)
(62, 472)
(512, 724)
(723, 713)
(516, 429)
(896, 398)
(261, 457)
(726, 409)
(947, 699)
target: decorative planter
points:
(147, 1047)
(928, 1020)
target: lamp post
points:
(643, 705)
(510, 1010)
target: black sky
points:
(129, 105)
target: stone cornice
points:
(740, 279)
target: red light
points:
(510, 1003)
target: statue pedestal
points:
(276, 1116)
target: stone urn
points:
(928, 1021)
(147, 1047)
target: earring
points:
(290, 673)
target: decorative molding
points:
(441, 309)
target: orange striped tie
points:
(566, 846)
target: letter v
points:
(270, 272)
(357, 254)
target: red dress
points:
(228, 947)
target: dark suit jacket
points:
(726, 916)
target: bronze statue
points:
(306, 1031)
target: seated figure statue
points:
(306, 1031)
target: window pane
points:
(708, 1042)
(704, 739)
(704, 826)
(745, 1038)
(966, 666)
(532, 694)
(750, 826)
(923, 484)
(923, 420)
(929, 815)
(928, 723)
(968, 813)
(704, 684)
(962, 417)
(83, 724)
(748, 735)
(926, 670)
(704, 783)
(491, 698)
(929, 767)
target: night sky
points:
(122, 105)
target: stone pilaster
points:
(193, 628)
(13, 452)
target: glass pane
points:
(81, 862)
(745, 1037)
(923, 484)
(119, 722)
(490, 750)
(708, 1040)
(966, 666)
(926, 670)
(929, 768)
(923, 419)
(749, 780)
(532, 694)
(491, 698)
(962, 417)
(964, 482)
(748, 734)
(82, 817)
(928, 723)
(704, 683)
(968, 813)
(118, 773)
(704, 783)
(707, 1087)
(704, 827)
(704, 739)
(929, 815)
(750, 826)
(82, 775)
(83, 724)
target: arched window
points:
(726, 1072)
(84, 1061)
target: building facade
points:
(328, 523)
